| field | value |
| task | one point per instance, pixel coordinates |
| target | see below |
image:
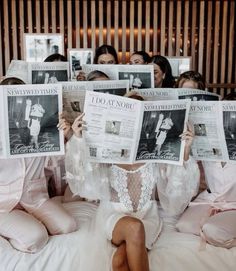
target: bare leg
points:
(119, 261)
(131, 231)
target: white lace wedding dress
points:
(126, 193)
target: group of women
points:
(128, 221)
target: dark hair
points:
(55, 57)
(230, 97)
(12, 81)
(164, 64)
(93, 75)
(193, 76)
(145, 55)
(136, 97)
(105, 49)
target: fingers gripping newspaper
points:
(124, 130)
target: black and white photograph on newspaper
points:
(137, 79)
(229, 122)
(32, 122)
(48, 72)
(37, 47)
(73, 98)
(160, 135)
(201, 97)
(78, 57)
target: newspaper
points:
(78, 57)
(19, 69)
(29, 120)
(38, 72)
(139, 76)
(73, 98)
(156, 94)
(74, 94)
(48, 72)
(124, 130)
(117, 87)
(215, 130)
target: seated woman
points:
(127, 218)
(212, 215)
(97, 76)
(105, 54)
(139, 58)
(163, 77)
(191, 79)
(55, 58)
(26, 212)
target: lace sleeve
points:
(177, 185)
(88, 180)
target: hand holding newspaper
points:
(124, 130)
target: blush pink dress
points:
(26, 212)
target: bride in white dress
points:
(127, 223)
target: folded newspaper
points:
(125, 130)
(153, 94)
(29, 118)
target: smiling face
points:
(136, 59)
(106, 59)
(158, 75)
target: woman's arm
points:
(177, 185)
(88, 180)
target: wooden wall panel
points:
(101, 27)
(204, 30)
(155, 27)
(93, 24)
(14, 30)
(170, 28)
(208, 41)
(45, 16)
(77, 24)
(131, 28)
(231, 44)
(139, 25)
(108, 28)
(186, 28)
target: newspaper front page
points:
(123, 130)
(113, 123)
(73, 98)
(48, 72)
(116, 87)
(215, 130)
(163, 123)
(139, 76)
(229, 123)
(30, 120)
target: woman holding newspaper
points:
(127, 223)
(212, 215)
